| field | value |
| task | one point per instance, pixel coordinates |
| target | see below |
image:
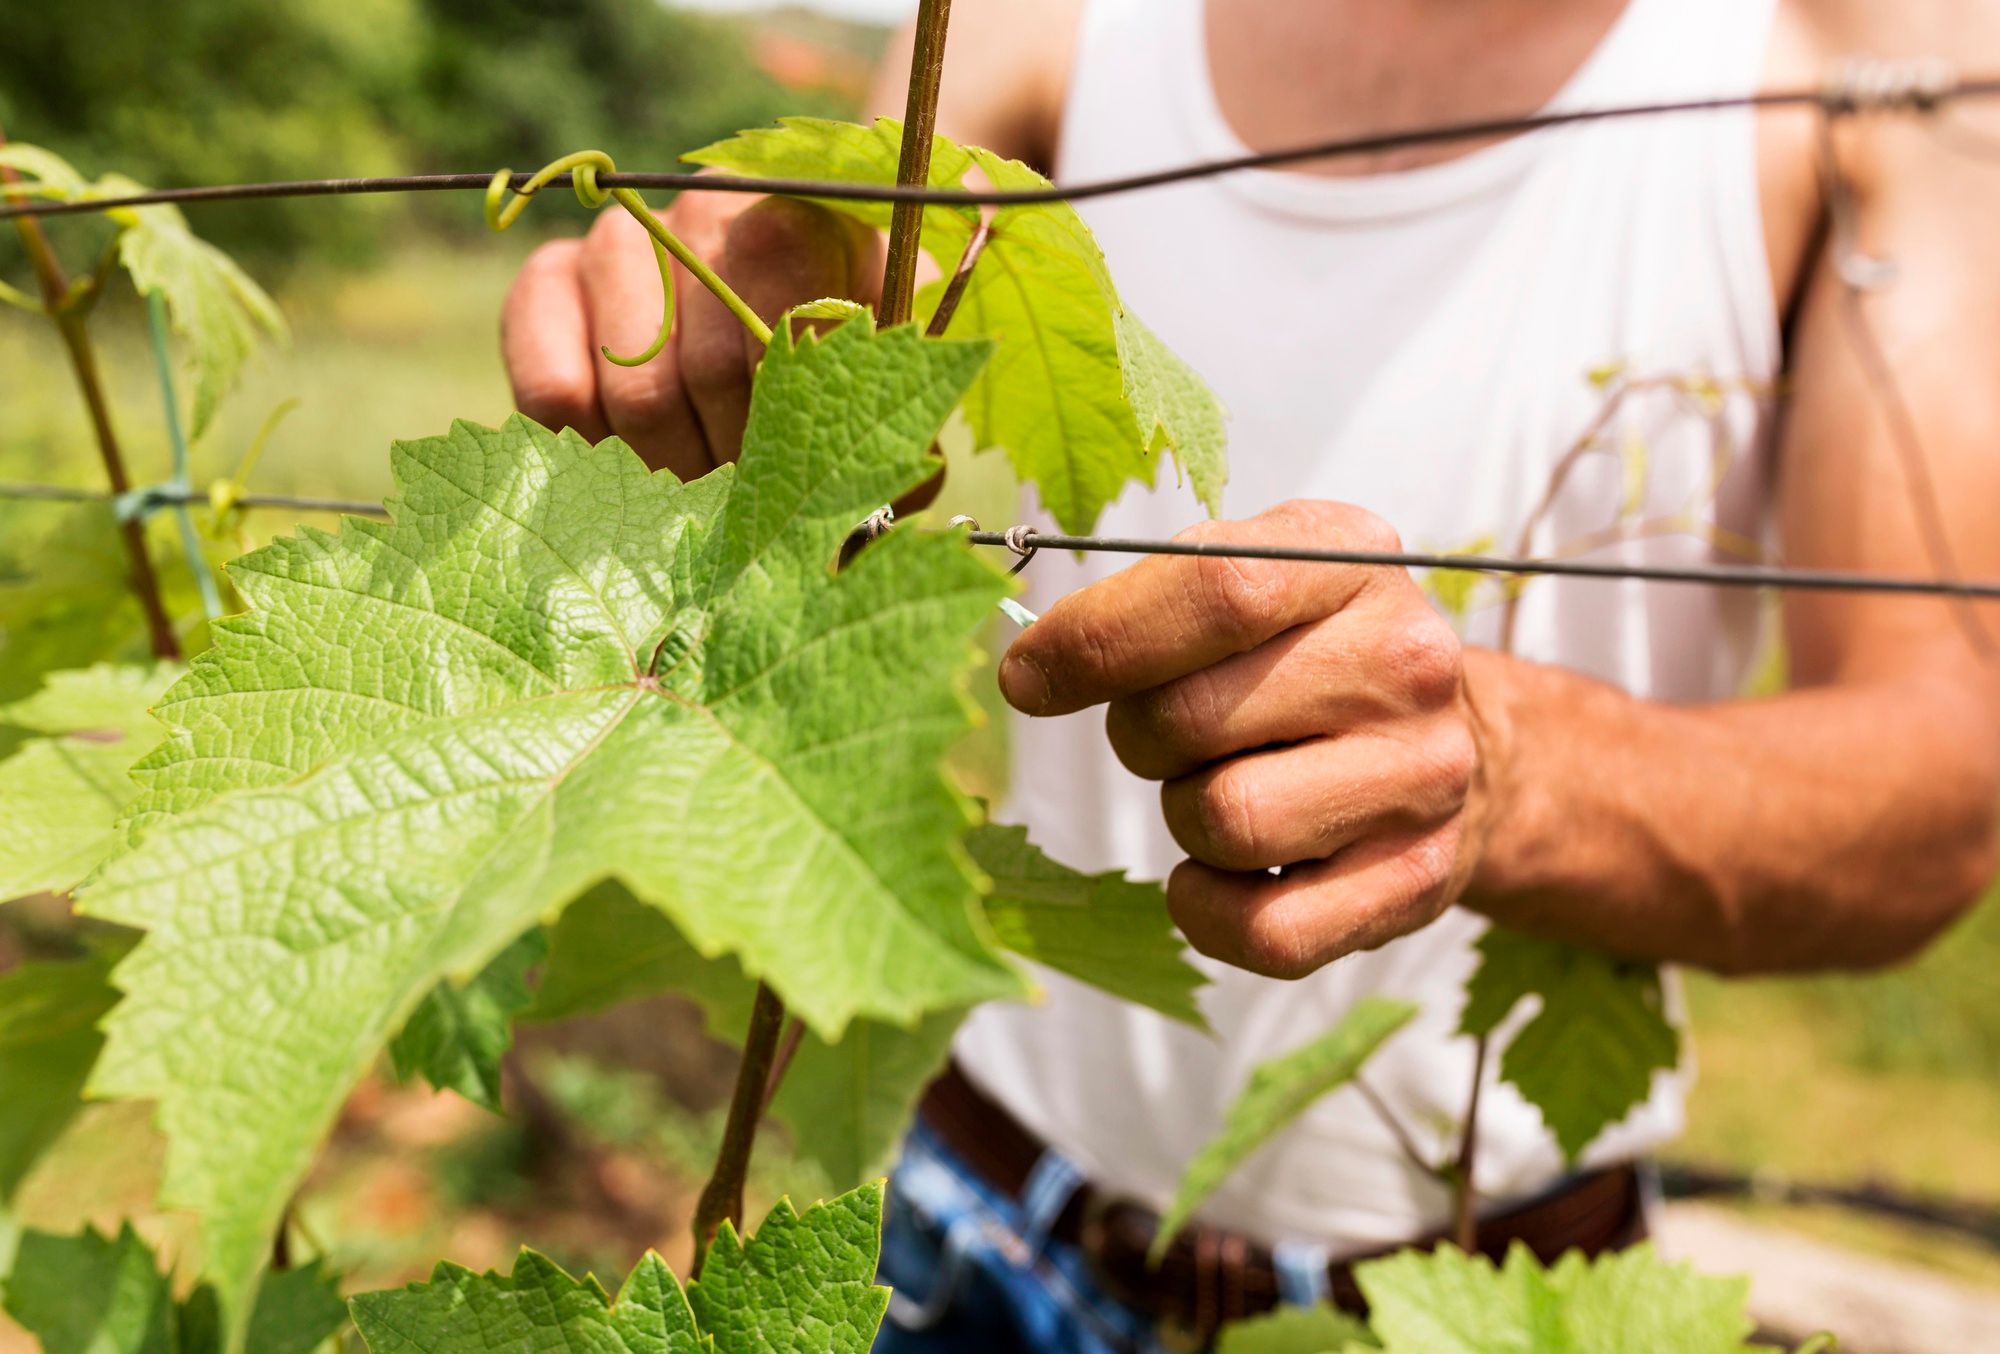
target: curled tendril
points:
(583, 167)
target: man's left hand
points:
(1308, 719)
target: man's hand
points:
(685, 410)
(1307, 718)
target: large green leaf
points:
(550, 667)
(537, 1307)
(460, 1031)
(91, 1294)
(804, 1284)
(1102, 929)
(66, 783)
(849, 1101)
(1080, 393)
(1279, 1092)
(48, 1041)
(1296, 1330)
(1587, 1057)
(1447, 1302)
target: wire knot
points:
(1019, 540)
(136, 505)
(1865, 84)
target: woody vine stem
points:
(763, 1065)
(68, 306)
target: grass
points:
(1891, 1076)
(397, 353)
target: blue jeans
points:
(975, 1271)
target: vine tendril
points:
(583, 167)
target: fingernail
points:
(1024, 684)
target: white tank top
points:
(1421, 343)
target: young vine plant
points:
(561, 732)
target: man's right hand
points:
(685, 410)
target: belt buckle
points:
(1098, 1237)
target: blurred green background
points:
(393, 305)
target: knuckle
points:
(1423, 659)
(712, 361)
(1275, 944)
(1370, 532)
(554, 402)
(1226, 814)
(782, 226)
(548, 261)
(1454, 761)
(1240, 595)
(1428, 866)
(612, 230)
(1179, 712)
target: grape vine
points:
(562, 732)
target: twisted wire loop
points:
(1865, 84)
(1856, 86)
(1019, 539)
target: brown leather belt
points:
(1210, 1275)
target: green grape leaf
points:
(846, 152)
(48, 1041)
(804, 1284)
(1296, 1330)
(91, 1294)
(1446, 1302)
(1102, 929)
(849, 1102)
(43, 169)
(1080, 394)
(1636, 1300)
(608, 948)
(214, 306)
(66, 595)
(846, 1103)
(1279, 1092)
(1588, 1056)
(538, 1307)
(457, 1035)
(66, 783)
(549, 667)
(297, 1311)
(1175, 409)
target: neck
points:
(1286, 72)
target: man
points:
(1568, 341)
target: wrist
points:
(1506, 806)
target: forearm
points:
(1840, 826)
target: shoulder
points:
(1961, 30)
(1006, 73)
(1896, 165)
